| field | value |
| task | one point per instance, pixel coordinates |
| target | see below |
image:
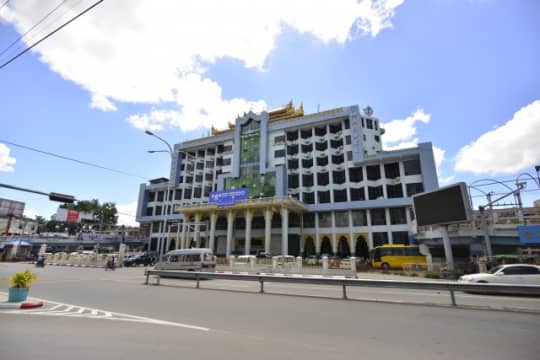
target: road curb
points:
(21, 305)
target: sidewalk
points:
(28, 304)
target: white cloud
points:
(403, 130)
(100, 102)
(6, 161)
(446, 180)
(126, 214)
(29, 213)
(507, 149)
(145, 51)
(438, 154)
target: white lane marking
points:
(98, 314)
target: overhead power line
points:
(32, 28)
(72, 159)
(51, 33)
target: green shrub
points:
(413, 274)
(432, 275)
(23, 279)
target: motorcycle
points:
(40, 262)
(110, 265)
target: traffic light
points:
(69, 199)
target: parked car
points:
(141, 259)
(519, 274)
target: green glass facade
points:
(259, 185)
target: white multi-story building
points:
(317, 184)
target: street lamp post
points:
(167, 200)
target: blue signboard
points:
(228, 197)
(529, 234)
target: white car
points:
(522, 274)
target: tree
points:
(106, 215)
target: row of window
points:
(373, 193)
(397, 216)
(356, 174)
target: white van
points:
(195, 259)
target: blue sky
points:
(461, 74)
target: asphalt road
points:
(91, 313)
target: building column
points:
(284, 231)
(334, 237)
(267, 229)
(184, 233)
(388, 226)
(213, 221)
(384, 181)
(351, 234)
(317, 239)
(402, 178)
(248, 214)
(230, 224)
(370, 232)
(197, 230)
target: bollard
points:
(344, 292)
(252, 262)
(274, 264)
(299, 263)
(353, 265)
(198, 279)
(262, 285)
(231, 261)
(325, 264)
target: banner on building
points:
(228, 197)
(529, 234)
(11, 208)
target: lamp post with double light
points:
(167, 195)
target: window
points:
(412, 167)
(369, 123)
(197, 192)
(158, 210)
(309, 198)
(227, 148)
(227, 162)
(358, 194)
(160, 196)
(414, 188)
(380, 238)
(336, 143)
(207, 190)
(321, 146)
(391, 171)
(198, 178)
(320, 131)
(325, 220)
(521, 270)
(307, 148)
(307, 180)
(394, 191)
(208, 177)
(323, 179)
(378, 217)
(306, 133)
(402, 237)
(375, 192)
(335, 128)
(376, 125)
(293, 181)
(349, 155)
(346, 123)
(324, 197)
(359, 217)
(307, 163)
(373, 172)
(156, 226)
(151, 196)
(338, 159)
(292, 150)
(397, 216)
(323, 161)
(309, 220)
(338, 177)
(200, 166)
(292, 164)
(187, 194)
(149, 211)
(220, 149)
(348, 139)
(355, 174)
(279, 153)
(342, 218)
(292, 135)
(278, 140)
(340, 195)
(377, 138)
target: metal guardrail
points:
(451, 287)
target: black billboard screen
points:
(448, 205)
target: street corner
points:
(27, 304)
